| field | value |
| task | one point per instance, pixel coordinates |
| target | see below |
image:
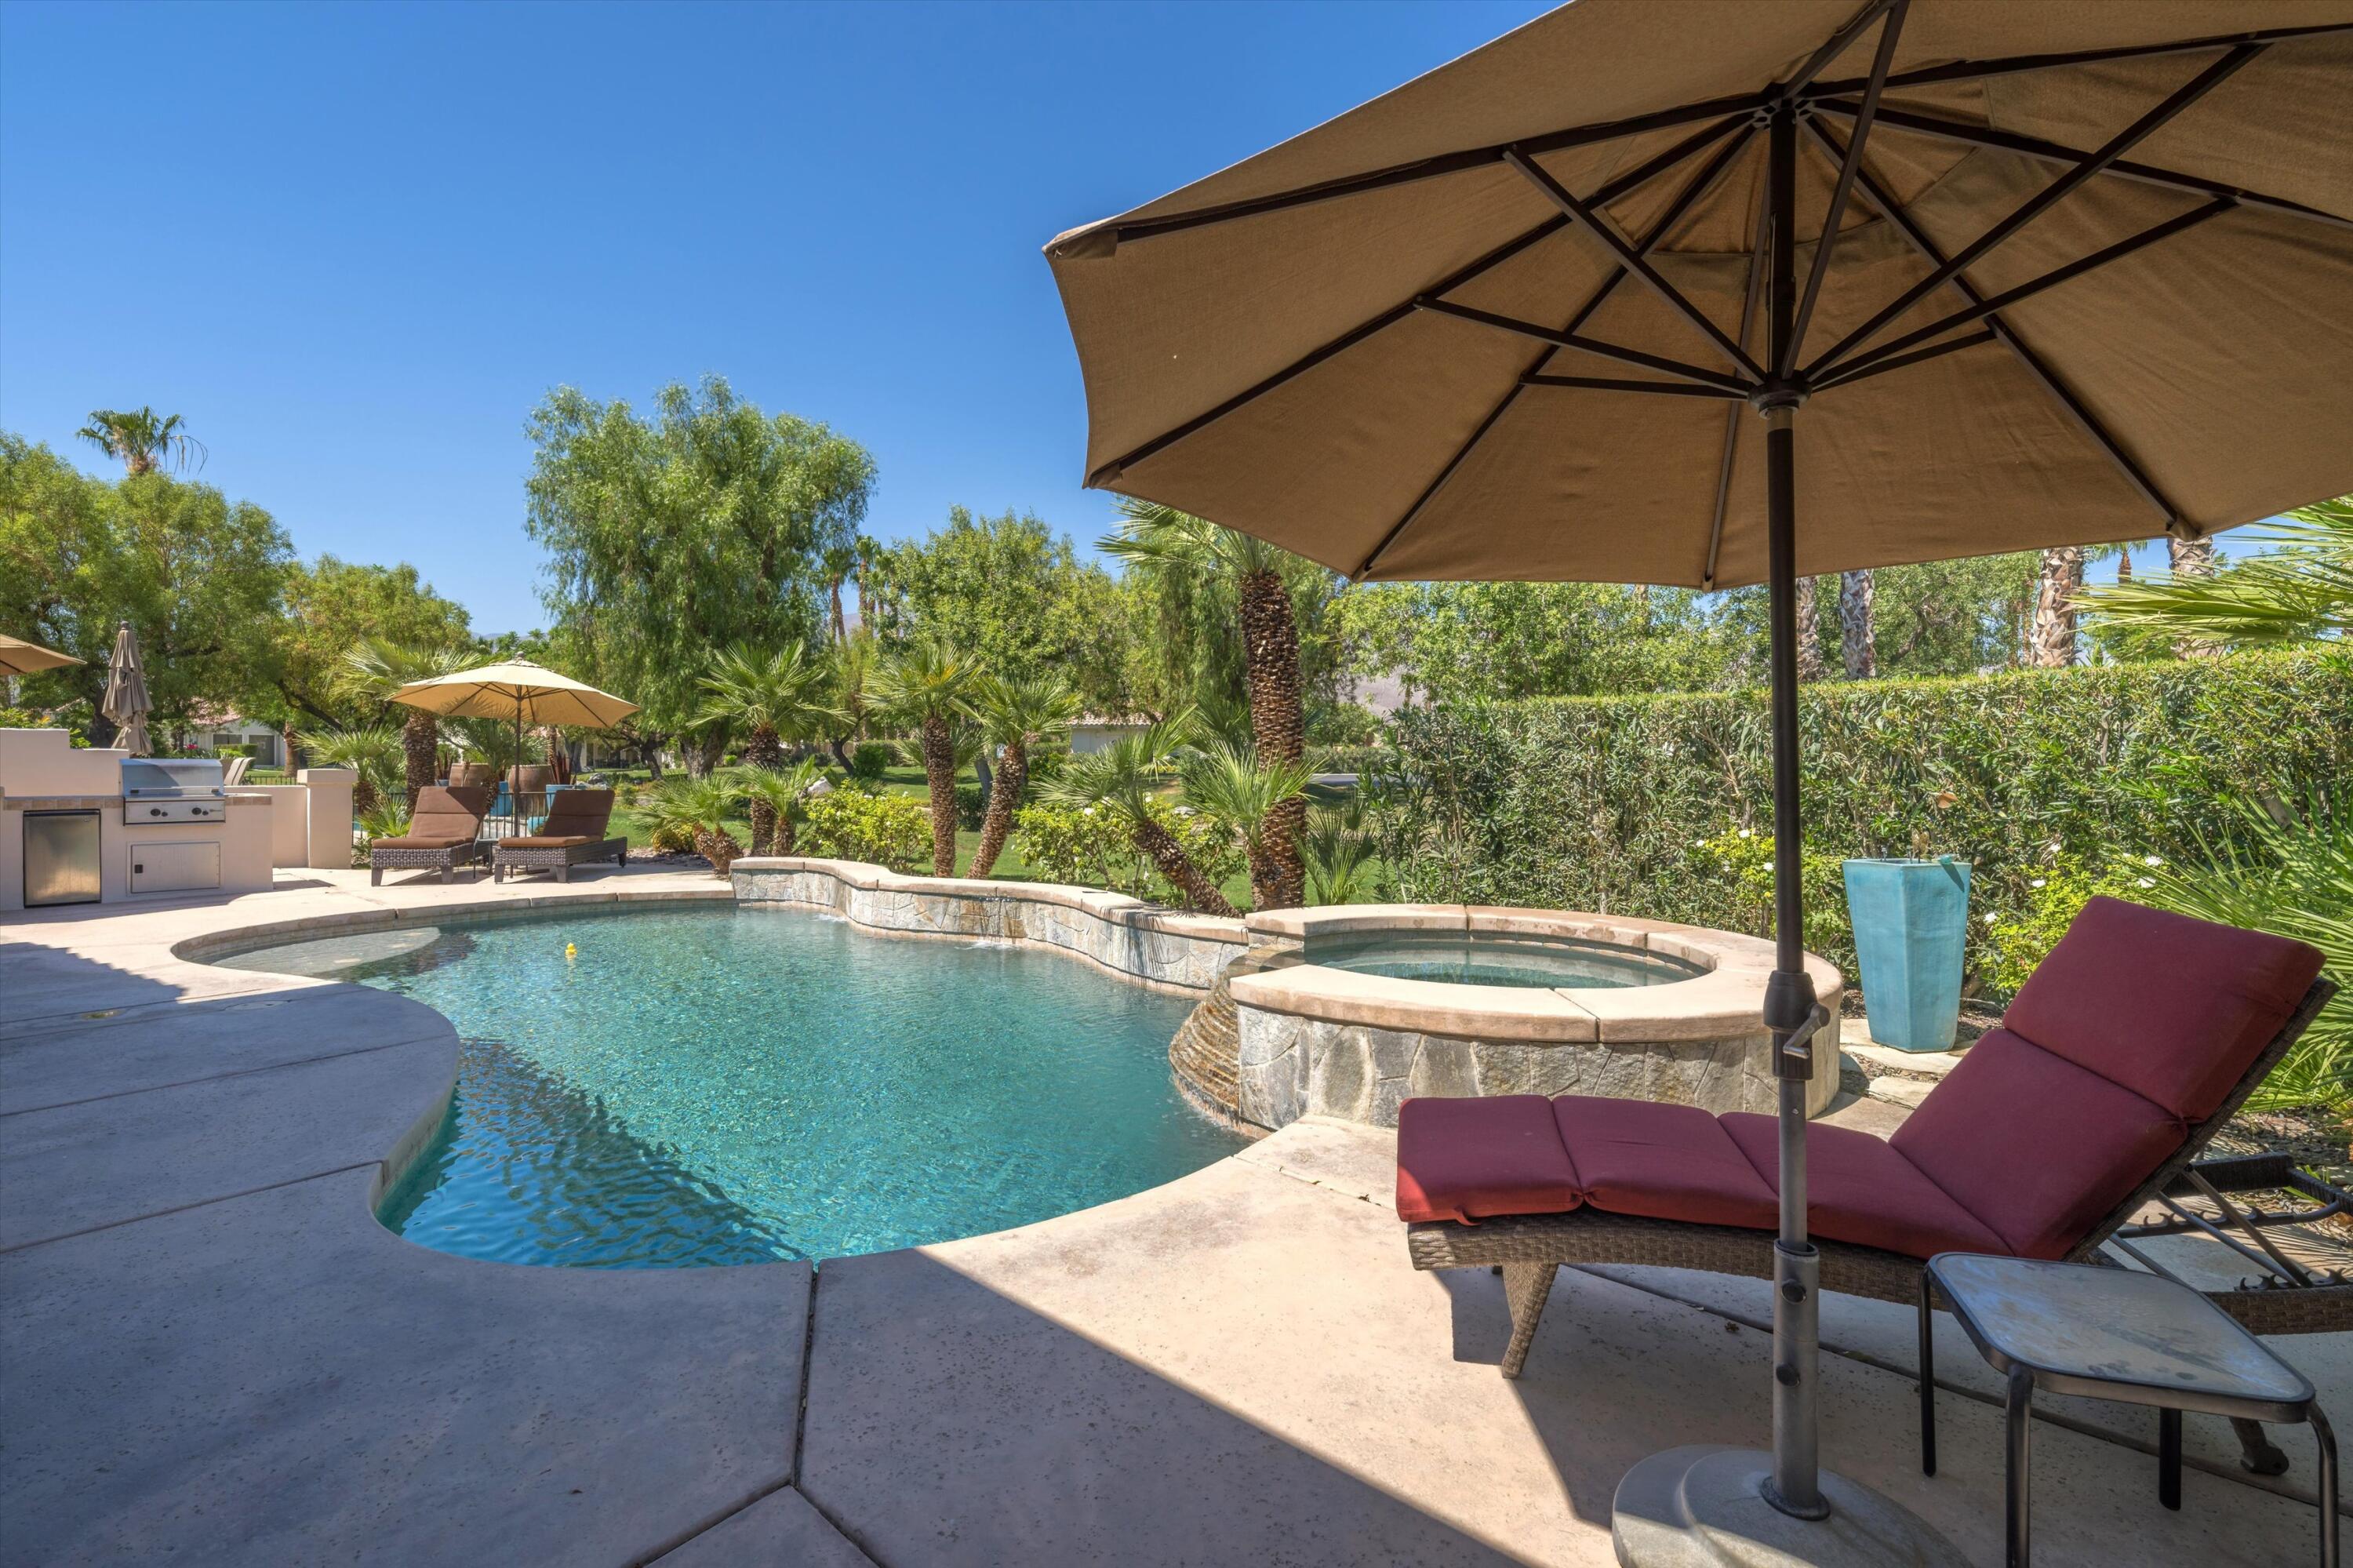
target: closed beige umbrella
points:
(522, 691)
(1996, 277)
(125, 698)
(19, 657)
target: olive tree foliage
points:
(330, 608)
(674, 535)
(1483, 642)
(199, 577)
(1014, 596)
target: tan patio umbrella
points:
(19, 657)
(1996, 277)
(520, 690)
(125, 698)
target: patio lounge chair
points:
(2130, 1046)
(444, 833)
(572, 834)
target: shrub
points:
(1600, 803)
(868, 762)
(883, 830)
(970, 804)
(670, 839)
(1092, 846)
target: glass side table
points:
(2115, 1334)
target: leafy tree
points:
(769, 698)
(332, 609)
(1016, 715)
(2300, 591)
(1484, 642)
(1122, 779)
(197, 577)
(928, 684)
(1171, 545)
(141, 438)
(1015, 595)
(1245, 793)
(675, 536)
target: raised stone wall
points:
(1137, 940)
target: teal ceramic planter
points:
(1911, 919)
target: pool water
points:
(666, 1088)
(1482, 958)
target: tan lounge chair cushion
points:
(424, 842)
(547, 841)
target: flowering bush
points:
(883, 830)
(2017, 936)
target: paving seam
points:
(841, 1526)
(219, 1078)
(2081, 1429)
(184, 1208)
(800, 1406)
(679, 1541)
(266, 983)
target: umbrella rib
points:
(2034, 207)
(1739, 106)
(1983, 308)
(1618, 384)
(1633, 179)
(1889, 31)
(1542, 334)
(1972, 70)
(1838, 44)
(1630, 257)
(1697, 187)
(1731, 415)
(1918, 239)
(1882, 366)
(2059, 152)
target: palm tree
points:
(378, 667)
(1242, 791)
(1124, 778)
(1340, 851)
(2300, 592)
(1810, 631)
(770, 698)
(783, 795)
(2058, 586)
(840, 564)
(140, 438)
(373, 751)
(1016, 715)
(1170, 540)
(698, 809)
(928, 684)
(848, 666)
(1859, 624)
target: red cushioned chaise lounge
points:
(2133, 1042)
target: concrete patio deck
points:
(211, 1352)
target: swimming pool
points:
(648, 1089)
(1485, 957)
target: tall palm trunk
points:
(1809, 633)
(1278, 719)
(1265, 876)
(1169, 858)
(1858, 624)
(420, 747)
(2050, 642)
(939, 776)
(1004, 797)
(719, 847)
(764, 750)
(2192, 558)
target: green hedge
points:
(2049, 781)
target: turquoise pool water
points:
(700, 1086)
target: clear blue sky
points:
(354, 245)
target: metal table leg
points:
(2019, 1414)
(2327, 1441)
(1927, 1379)
(2168, 1458)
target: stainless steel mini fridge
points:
(61, 858)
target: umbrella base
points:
(1700, 1508)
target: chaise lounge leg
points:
(375, 876)
(1526, 1286)
(2258, 1455)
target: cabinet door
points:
(174, 867)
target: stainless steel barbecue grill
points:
(168, 790)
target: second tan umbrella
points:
(520, 690)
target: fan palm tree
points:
(768, 698)
(698, 809)
(378, 667)
(2300, 592)
(141, 438)
(1170, 540)
(1016, 715)
(1242, 791)
(373, 751)
(782, 795)
(928, 684)
(847, 666)
(1123, 777)
(1340, 851)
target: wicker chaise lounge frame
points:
(1531, 1248)
(559, 859)
(445, 861)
